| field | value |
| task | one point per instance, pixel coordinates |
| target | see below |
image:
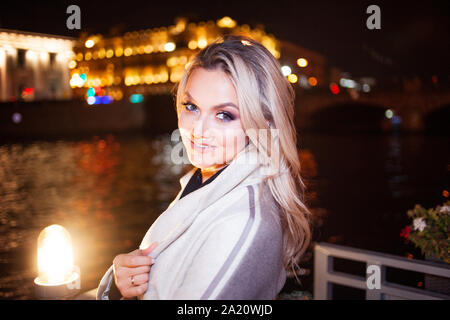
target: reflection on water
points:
(398, 179)
(108, 190)
(366, 183)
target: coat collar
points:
(243, 170)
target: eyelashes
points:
(226, 116)
(187, 104)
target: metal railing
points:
(325, 275)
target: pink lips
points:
(201, 147)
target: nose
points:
(200, 129)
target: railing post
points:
(323, 265)
(375, 285)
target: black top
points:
(195, 182)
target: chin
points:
(202, 163)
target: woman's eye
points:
(190, 106)
(225, 116)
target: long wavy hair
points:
(266, 101)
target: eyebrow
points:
(221, 105)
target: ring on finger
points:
(132, 280)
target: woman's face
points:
(209, 119)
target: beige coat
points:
(221, 241)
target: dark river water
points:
(106, 190)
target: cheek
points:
(185, 124)
(185, 127)
(184, 121)
(233, 140)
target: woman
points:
(239, 221)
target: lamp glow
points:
(286, 70)
(91, 100)
(89, 43)
(136, 98)
(302, 62)
(192, 44)
(55, 255)
(57, 275)
(202, 43)
(169, 46)
(226, 22)
(312, 81)
(72, 64)
(292, 78)
(389, 113)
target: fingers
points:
(135, 264)
(140, 279)
(124, 272)
(139, 270)
(132, 261)
(128, 289)
(134, 291)
(124, 280)
(146, 251)
(136, 252)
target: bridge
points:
(412, 111)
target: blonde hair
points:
(266, 101)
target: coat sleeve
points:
(239, 259)
(105, 285)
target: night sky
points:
(413, 40)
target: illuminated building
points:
(150, 61)
(34, 66)
(39, 67)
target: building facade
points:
(34, 66)
(101, 69)
(150, 61)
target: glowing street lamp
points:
(169, 46)
(58, 277)
(302, 62)
(292, 78)
(312, 81)
(286, 70)
(226, 22)
(389, 113)
(202, 43)
(89, 43)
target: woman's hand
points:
(131, 271)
